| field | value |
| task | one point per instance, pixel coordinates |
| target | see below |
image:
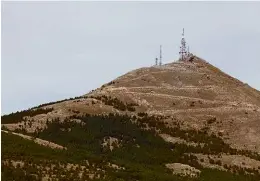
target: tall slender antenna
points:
(160, 55)
(183, 50)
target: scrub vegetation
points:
(142, 153)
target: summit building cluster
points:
(184, 52)
(184, 49)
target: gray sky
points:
(57, 50)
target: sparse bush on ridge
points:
(211, 120)
(55, 102)
(116, 103)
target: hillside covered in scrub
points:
(183, 121)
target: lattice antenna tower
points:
(183, 49)
(160, 63)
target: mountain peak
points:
(192, 105)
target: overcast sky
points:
(57, 50)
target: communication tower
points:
(160, 63)
(183, 50)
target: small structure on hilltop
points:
(185, 54)
(160, 58)
(156, 61)
(160, 63)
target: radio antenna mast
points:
(160, 63)
(183, 50)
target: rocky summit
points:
(183, 121)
